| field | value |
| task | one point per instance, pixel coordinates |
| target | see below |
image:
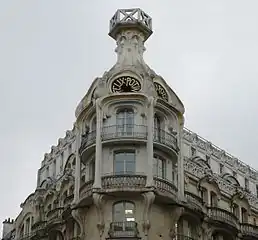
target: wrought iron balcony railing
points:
(124, 132)
(223, 216)
(165, 138)
(164, 185)
(124, 181)
(123, 230)
(249, 230)
(195, 201)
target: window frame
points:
(115, 161)
(156, 167)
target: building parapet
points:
(218, 153)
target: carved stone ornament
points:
(99, 203)
(175, 214)
(149, 198)
(80, 215)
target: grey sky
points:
(50, 52)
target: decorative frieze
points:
(226, 158)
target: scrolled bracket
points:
(98, 202)
(149, 198)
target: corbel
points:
(149, 198)
(98, 202)
(80, 216)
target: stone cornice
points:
(212, 150)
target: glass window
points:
(159, 166)
(157, 127)
(92, 170)
(123, 212)
(124, 162)
(125, 121)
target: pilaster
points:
(78, 164)
(150, 125)
(181, 182)
(98, 149)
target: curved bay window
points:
(159, 167)
(123, 216)
(124, 162)
(125, 121)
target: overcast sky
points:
(51, 51)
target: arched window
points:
(125, 121)
(123, 212)
(159, 166)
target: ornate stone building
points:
(130, 170)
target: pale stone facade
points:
(130, 170)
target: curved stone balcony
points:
(249, 231)
(86, 189)
(54, 216)
(194, 202)
(123, 230)
(123, 182)
(165, 187)
(222, 216)
(38, 230)
(124, 133)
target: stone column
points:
(150, 126)
(98, 153)
(209, 198)
(180, 165)
(78, 163)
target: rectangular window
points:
(246, 184)
(92, 170)
(159, 167)
(257, 191)
(125, 122)
(124, 162)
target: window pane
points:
(118, 212)
(124, 162)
